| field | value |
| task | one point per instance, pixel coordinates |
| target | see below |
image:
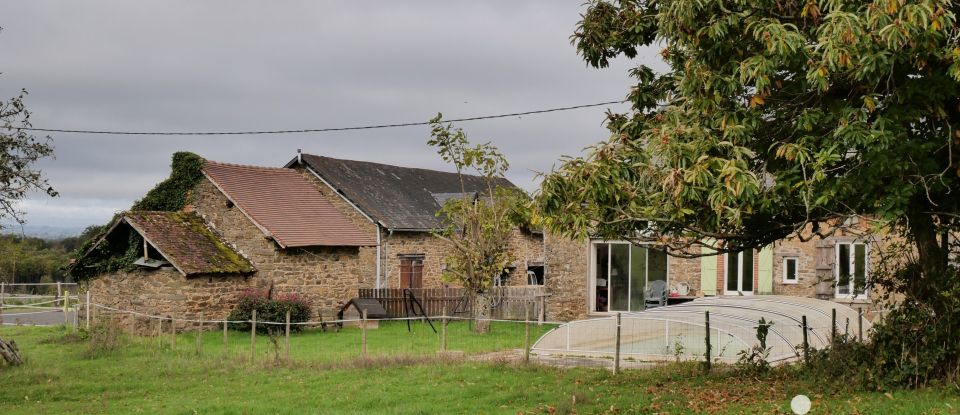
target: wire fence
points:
(711, 331)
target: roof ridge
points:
(248, 166)
(392, 165)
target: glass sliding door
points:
(638, 273)
(621, 275)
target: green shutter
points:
(708, 272)
(765, 276)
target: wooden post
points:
(225, 337)
(253, 337)
(66, 304)
(833, 326)
(363, 335)
(616, 350)
(860, 324)
(706, 325)
(286, 344)
(159, 333)
(3, 293)
(173, 332)
(86, 310)
(443, 329)
(59, 293)
(542, 314)
(200, 337)
(526, 334)
(806, 345)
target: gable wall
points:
(329, 276)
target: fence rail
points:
(508, 303)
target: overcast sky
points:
(238, 65)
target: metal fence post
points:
(806, 345)
(706, 317)
(616, 352)
(833, 326)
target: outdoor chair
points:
(655, 294)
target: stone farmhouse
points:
(320, 227)
(599, 277)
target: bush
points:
(269, 309)
(911, 347)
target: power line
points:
(311, 130)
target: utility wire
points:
(310, 130)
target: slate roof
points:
(400, 198)
(184, 240)
(285, 206)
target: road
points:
(34, 317)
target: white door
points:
(738, 275)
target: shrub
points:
(269, 309)
(103, 338)
(911, 347)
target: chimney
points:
(299, 157)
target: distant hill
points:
(43, 231)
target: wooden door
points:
(411, 272)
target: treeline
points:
(26, 259)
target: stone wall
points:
(566, 276)
(164, 292)
(329, 276)
(400, 244)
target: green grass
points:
(326, 377)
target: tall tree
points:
(19, 151)
(773, 117)
(477, 225)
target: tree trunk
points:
(10, 352)
(932, 257)
(481, 312)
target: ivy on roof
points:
(170, 195)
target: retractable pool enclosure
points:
(679, 331)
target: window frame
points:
(592, 274)
(796, 270)
(740, 268)
(852, 294)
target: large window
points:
(851, 269)
(621, 273)
(739, 272)
(411, 271)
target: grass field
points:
(325, 376)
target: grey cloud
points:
(228, 65)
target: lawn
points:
(402, 376)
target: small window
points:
(790, 270)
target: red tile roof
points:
(285, 206)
